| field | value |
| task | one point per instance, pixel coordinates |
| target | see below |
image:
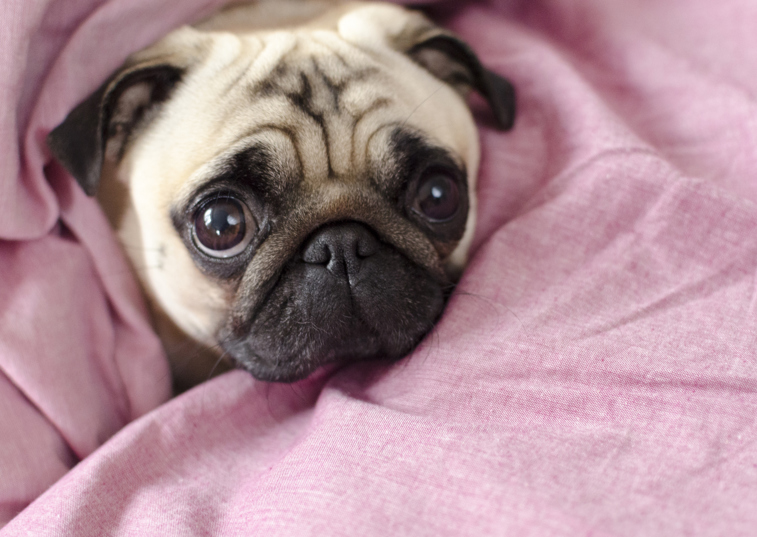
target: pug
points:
(293, 182)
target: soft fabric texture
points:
(595, 374)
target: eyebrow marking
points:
(334, 88)
(286, 131)
(376, 105)
(316, 89)
(304, 101)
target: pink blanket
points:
(595, 375)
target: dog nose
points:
(341, 248)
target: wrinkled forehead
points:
(328, 104)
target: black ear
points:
(454, 61)
(108, 119)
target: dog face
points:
(291, 195)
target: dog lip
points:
(294, 368)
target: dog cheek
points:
(400, 305)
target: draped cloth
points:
(594, 374)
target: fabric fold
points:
(595, 372)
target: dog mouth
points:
(295, 360)
(347, 297)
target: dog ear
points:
(452, 60)
(106, 120)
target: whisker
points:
(495, 306)
(224, 354)
(139, 247)
(424, 101)
(181, 361)
(147, 268)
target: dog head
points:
(291, 195)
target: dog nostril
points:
(341, 247)
(317, 253)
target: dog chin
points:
(378, 308)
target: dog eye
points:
(223, 227)
(438, 197)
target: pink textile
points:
(596, 375)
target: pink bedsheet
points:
(596, 374)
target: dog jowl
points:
(293, 181)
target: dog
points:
(293, 181)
